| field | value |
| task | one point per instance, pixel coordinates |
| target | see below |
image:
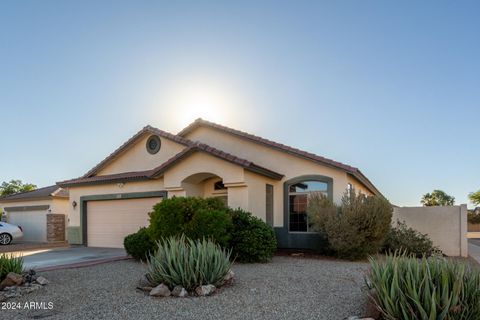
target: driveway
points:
(474, 249)
(77, 256)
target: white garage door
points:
(33, 223)
(108, 222)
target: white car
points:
(8, 232)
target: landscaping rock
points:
(12, 279)
(205, 290)
(160, 291)
(148, 289)
(229, 277)
(41, 280)
(179, 291)
(144, 282)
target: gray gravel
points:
(286, 288)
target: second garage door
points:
(108, 222)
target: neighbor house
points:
(205, 159)
(41, 213)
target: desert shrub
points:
(10, 263)
(404, 239)
(407, 288)
(354, 229)
(139, 244)
(252, 240)
(180, 261)
(194, 217)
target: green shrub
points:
(354, 229)
(139, 244)
(406, 288)
(404, 239)
(192, 216)
(180, 261)
(10, 263)
(252, 239)
(212, 224)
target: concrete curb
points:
(82, 264)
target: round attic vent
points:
(153, 144)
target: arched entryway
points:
(205, 185)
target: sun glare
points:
(204, 100)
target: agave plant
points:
(10, 263)
(180, 261)
(406, 288)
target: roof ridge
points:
(257, 138)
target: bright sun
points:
(199, 100)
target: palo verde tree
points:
(437, 198)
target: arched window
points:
(298, 190)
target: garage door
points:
(33, 223)
(108, 222)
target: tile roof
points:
(45, 192)
(129, 142)
(284, 148)
(158, 171)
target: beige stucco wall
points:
(281, 162)
(57, 205)
(137, 158)
(358, 186)
(446, 226)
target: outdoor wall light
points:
(74, 204)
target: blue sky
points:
(389, 87)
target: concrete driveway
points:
(62, 258)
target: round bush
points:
(139, 245)
(407, 240)
(252, 240)
(194, 217)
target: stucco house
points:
(36, 211)
(205, 159)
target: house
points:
(38, 211)
(205, 159)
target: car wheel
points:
(5, 238)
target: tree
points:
(437, 198)
(15, 186)
(475, 197)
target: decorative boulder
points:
(12, 279)
(205, 290)
(160, 291)
(179, 291)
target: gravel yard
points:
(287, 288)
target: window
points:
(349, 189)
(298, 193)
(153, 144)
(219, 186)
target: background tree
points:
(15, 186)
(475, 197)
(437, 198)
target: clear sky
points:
(391, 87)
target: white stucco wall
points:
(446, 226)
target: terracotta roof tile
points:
(275, 145)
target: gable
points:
(137, 158)
(275, 160)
